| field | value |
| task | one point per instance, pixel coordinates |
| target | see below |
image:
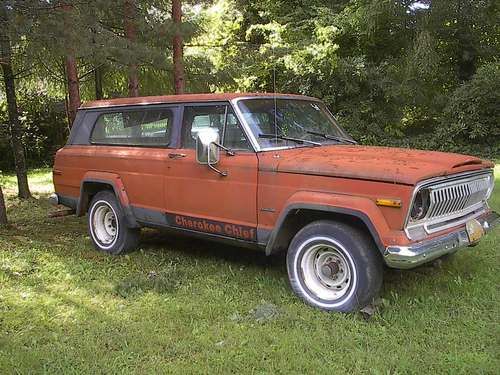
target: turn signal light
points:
(389, 202)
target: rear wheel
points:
(334, 266)
(107, 225)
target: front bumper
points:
(425, 251)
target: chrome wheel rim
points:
(326, 271)
(104, 224)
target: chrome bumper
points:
(425, 251)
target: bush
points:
(470, 121)
(45, 129)
(463, 121)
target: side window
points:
(214, 116)
(145, 127)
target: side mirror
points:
(207, 151)
(207, 148)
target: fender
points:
(360, 207)
(115, 182)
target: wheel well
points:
(88, 190)
(298, 218)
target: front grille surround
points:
(453, 200)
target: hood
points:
(396, 165)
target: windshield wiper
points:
(332, 137)
(285, 138)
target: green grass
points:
(185, 306)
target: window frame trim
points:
(227, 104)
(253, 140)
(111, 110)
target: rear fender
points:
(93, 182)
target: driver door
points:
(199, 199)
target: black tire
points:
(334, 266)
(118, 238)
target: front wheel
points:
(107, 225)
(334, 266)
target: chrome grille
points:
(459, 196)
(452, 201)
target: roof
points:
(185, 98)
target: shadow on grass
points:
(166, 261)
(156, 241)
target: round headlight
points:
(420, 205)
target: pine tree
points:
(15, 128)
(98, 82)
(3, 210)
(131, 35)
(177, 44)
(71, 70)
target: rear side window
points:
(145, 127)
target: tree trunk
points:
(177, 48)
(98, 82)
(3, 209)
(71, 70)
(73, 87)
(131, 35)
(98, 68)
(14, 123)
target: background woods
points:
(424, 74)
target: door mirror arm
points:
(229, 152)
(209, 162)
(207, 149)
(222, 173)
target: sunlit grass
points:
(185, 306)
(40, 181)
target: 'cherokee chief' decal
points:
(211, 226)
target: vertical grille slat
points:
(466, 196)
(439, 202)
(433, 204)
(463, 197)
(456, 198)
(443, 202)
(444, 198)
(453, 199)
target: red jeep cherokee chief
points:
(273, 172)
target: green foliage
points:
(44, 124)
(390, 71)
(472, 115)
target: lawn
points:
(185, 306)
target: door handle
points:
(175, 155)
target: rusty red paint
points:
(259, 186)
(397, 165)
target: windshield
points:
(292, 119)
